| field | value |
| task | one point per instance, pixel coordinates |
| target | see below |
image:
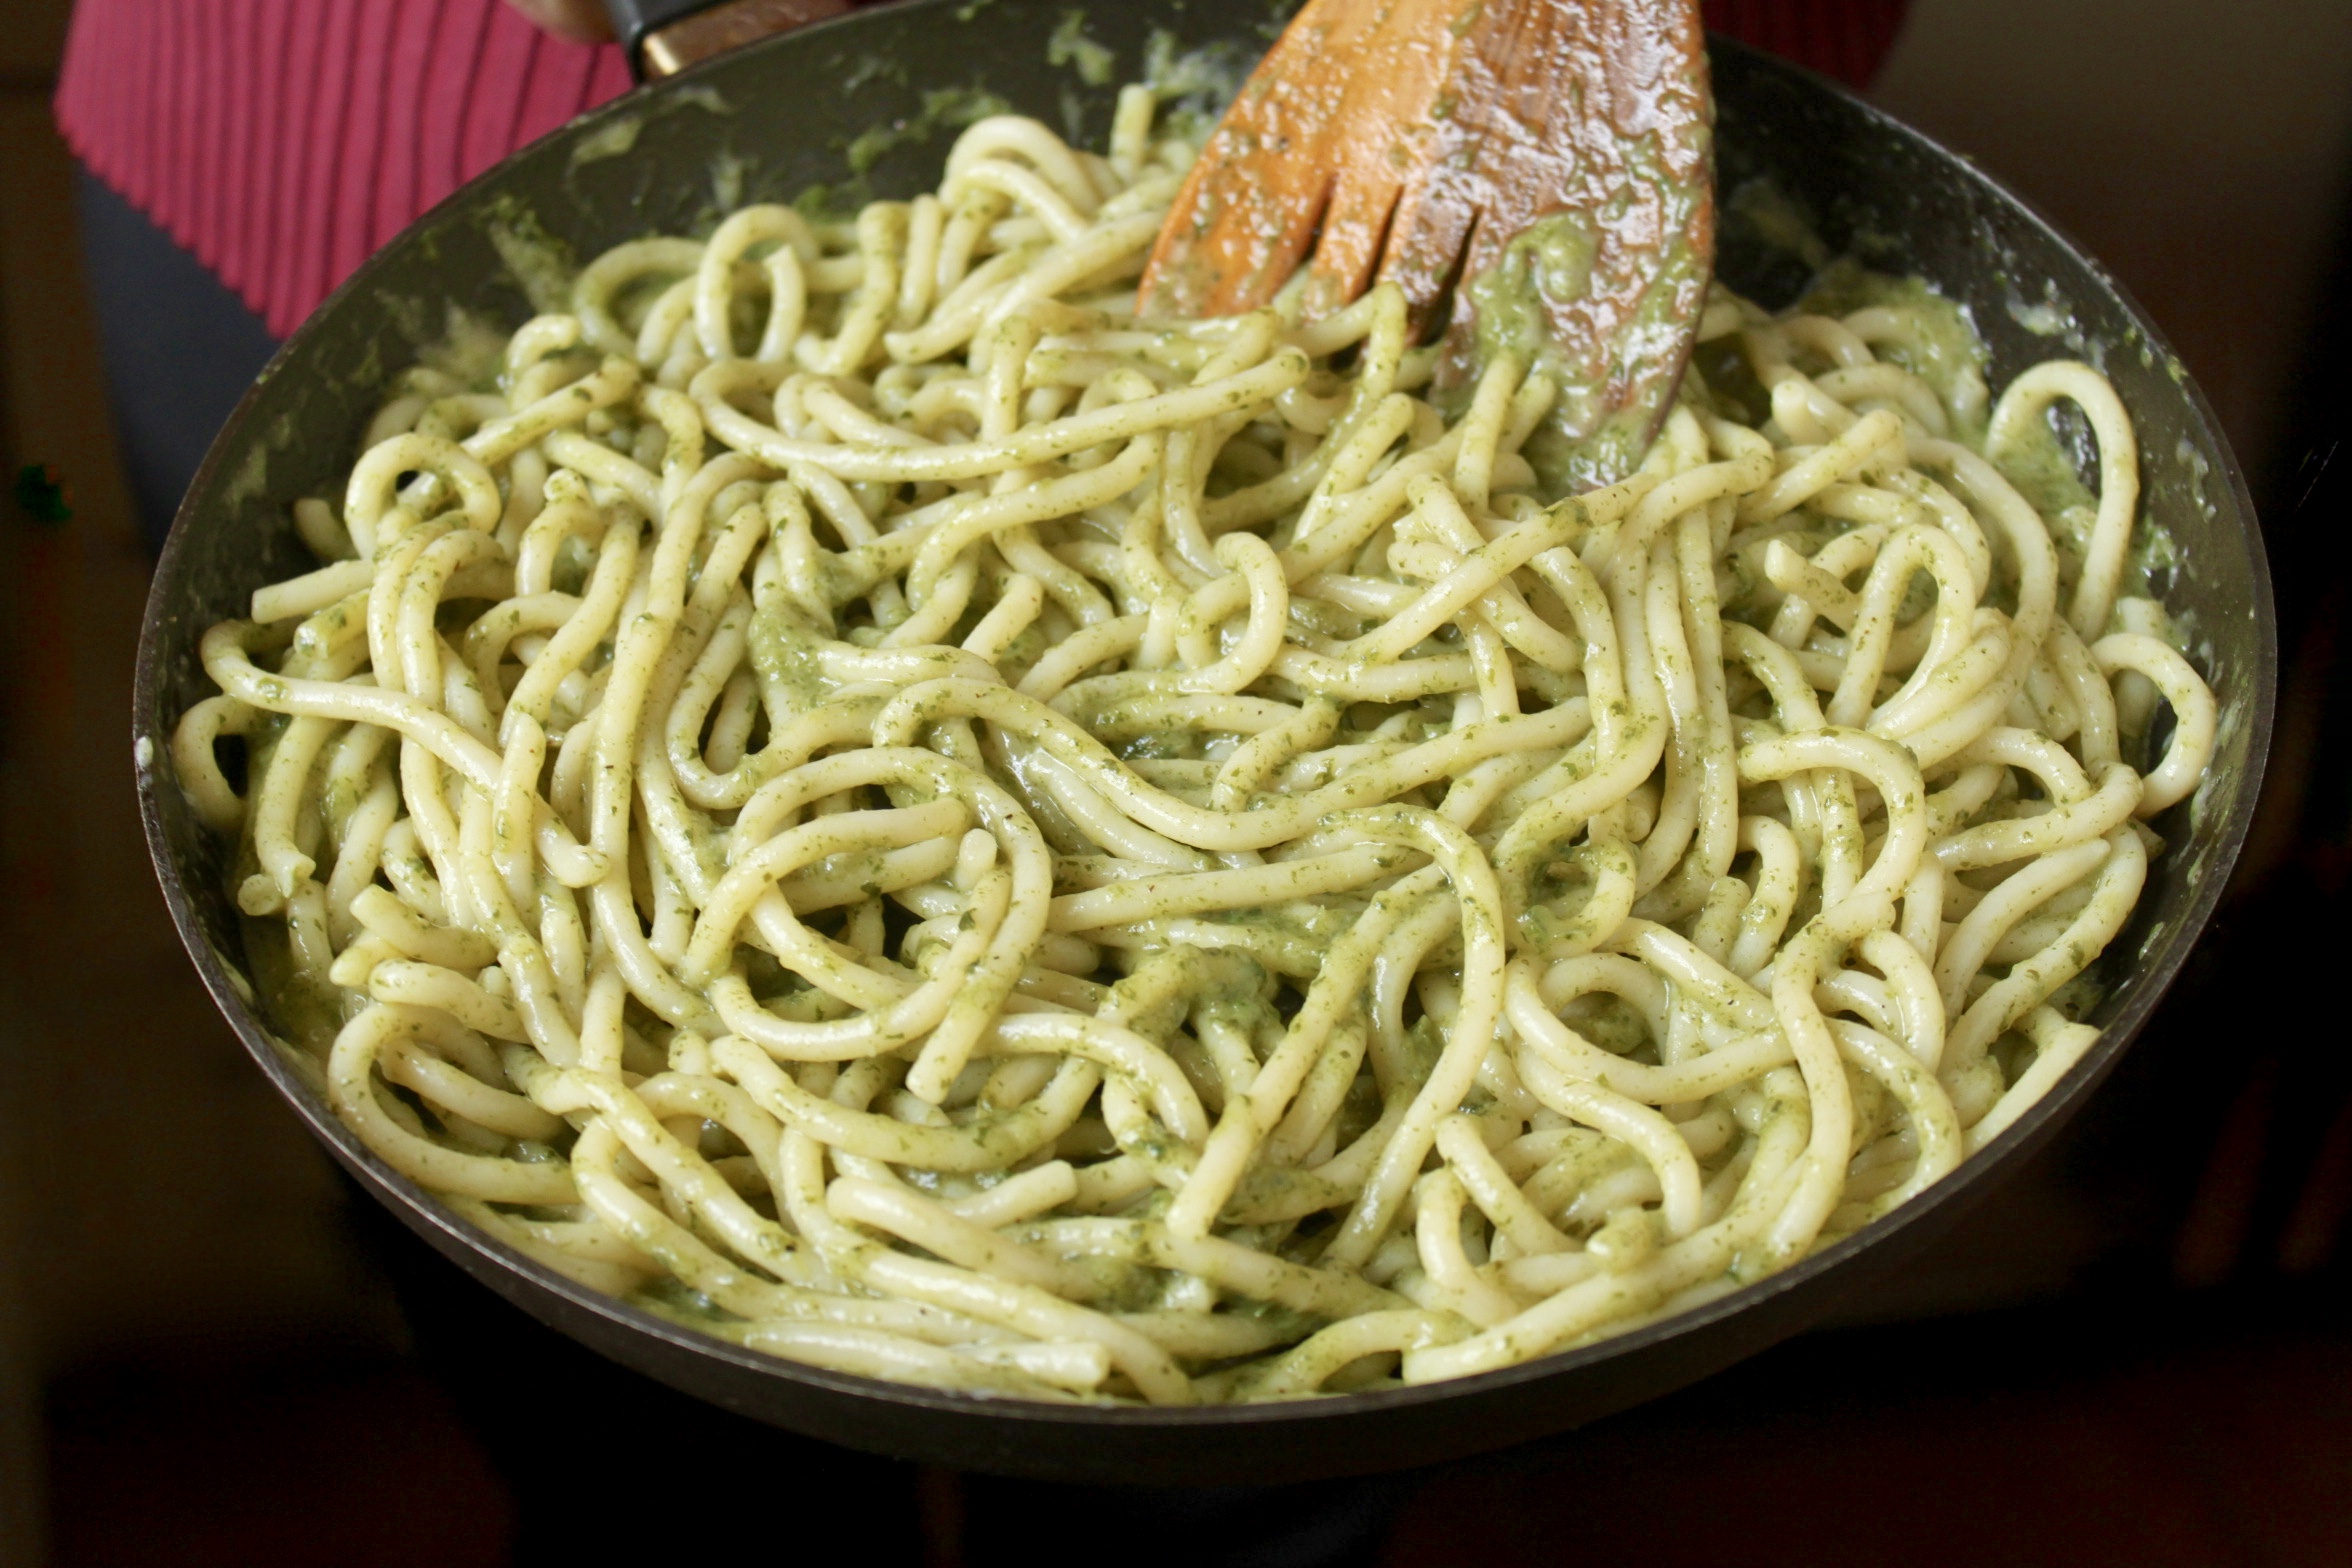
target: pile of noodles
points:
(851, 790)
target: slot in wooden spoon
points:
(1541, 166)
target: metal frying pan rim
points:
(2149, 981)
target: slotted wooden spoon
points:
(1541, 166)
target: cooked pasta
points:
(852, 791)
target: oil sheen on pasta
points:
(851, 791)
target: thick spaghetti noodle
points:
(853, 791)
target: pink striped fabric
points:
(282, 141)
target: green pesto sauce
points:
(614, 140)
(1587, 440)
(541, 264)
(2152, 567)
(251, 479)
(1760, 208)
(784, 655)
(944, 108)
(2046, 474)
(1551, 261)
(1195, 85)
(310, 1012)
(1944, 349)
(1070, 46)
(471, 350)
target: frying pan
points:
(867, 105)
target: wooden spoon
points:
(1544, 162)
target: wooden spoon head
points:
(1552, 158)
(1330, 119)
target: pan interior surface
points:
(867, 107)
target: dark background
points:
(2140, 1352)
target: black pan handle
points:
(663, 37)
